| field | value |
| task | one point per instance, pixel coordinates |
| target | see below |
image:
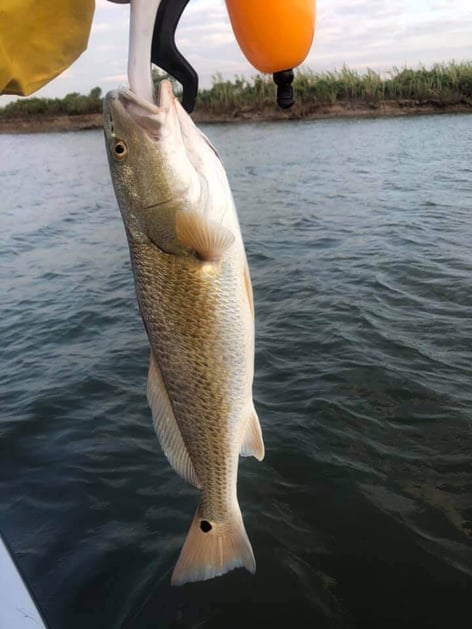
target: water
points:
(358, 236)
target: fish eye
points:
(120, 150)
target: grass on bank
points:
(73, 104)
(442, 84)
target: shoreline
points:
(60, 124)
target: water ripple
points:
(358, 237)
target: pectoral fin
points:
(204, 236)
(252, 444)
(166, 426)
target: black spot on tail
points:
(205, 526)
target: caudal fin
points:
(212, 549)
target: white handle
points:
(141, 26)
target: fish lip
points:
(164, 99)
(152, 117)
(127, 97)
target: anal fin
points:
(166, 425)
(252, 443)
(248, 287)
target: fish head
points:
(161, 165)
(147, 157)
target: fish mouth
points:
(164, 99)
(158, 119)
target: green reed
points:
(447, 83)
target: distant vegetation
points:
(442, 84)
(446, 83)
(71, 105)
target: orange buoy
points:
(274, 35)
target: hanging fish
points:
(195, 297)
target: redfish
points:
(195, 297)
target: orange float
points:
(274, 35)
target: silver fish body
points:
(195, 297)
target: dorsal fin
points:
(166, 425)
(204, 236)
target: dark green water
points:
(359, 241)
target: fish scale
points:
(192, 319)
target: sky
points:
(377, 34)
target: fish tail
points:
(212, 549)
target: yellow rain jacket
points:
(39, 39)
